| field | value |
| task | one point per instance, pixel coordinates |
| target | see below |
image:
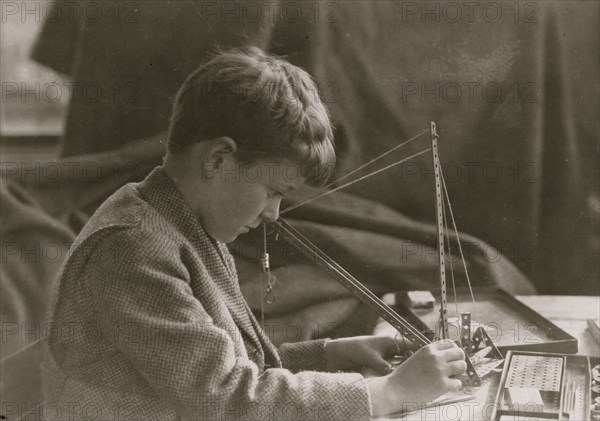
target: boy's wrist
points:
(331, 357)
(376, 388)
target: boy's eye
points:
(275, 193)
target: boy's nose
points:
(271, 211)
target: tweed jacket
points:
(148, 323)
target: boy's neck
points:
(187, 182)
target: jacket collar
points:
(160, 191)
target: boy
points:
(148, 321)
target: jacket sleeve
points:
(188, 360)
(302, 356)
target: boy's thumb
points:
(381, 365)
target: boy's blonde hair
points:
(270, 107)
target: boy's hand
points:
(360, 352)
(428, 374)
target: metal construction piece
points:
(473, 377)
(481, 337)
(439, 216)
(312, 252)
(465, 332)
(469, 343)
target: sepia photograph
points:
(308, 210)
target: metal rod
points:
(311, 251)
(439, 215)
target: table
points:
(568, 312)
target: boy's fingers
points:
(453, 385)
(454, 354)
(456, 368)
(445, 344)
(387, 345)
(403, 343)
(384, 367)
(376, 362)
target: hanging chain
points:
(269, 296)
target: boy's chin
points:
(230, 236)
(223, 238)
(231, 239)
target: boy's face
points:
(242, 196)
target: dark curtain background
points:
(513, 88)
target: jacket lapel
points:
(271, 356)
(162, 193)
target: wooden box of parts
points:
(510, 324)
(542, 386)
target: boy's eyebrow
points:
(284, 187)
(293, 187)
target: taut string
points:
(328, 192)
(376, 159)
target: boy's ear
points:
(227, 144)
(220, 149)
